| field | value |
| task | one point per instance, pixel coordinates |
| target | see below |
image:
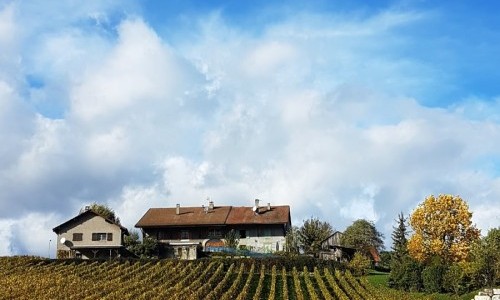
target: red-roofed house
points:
(184, 230)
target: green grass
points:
(377, 278)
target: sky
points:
(341, 109)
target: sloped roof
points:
(220, 215)
(375, 255)
(187, 216)
(84, 214)
(245, 215)
(334, 239)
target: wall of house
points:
(333, 240)
(263, 238)
(186, 252)
(87, 225)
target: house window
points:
(214, 233)
(184, 235)
(77, 237)
(243, 234)
(163, 235)
(99, 236)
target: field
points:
(31, 278)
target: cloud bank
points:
(315, 111)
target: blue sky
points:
(341, 109)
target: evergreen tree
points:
(405, 272)
(399, 239)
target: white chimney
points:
(178, 209)
(210, 205)
(268, 206)
(257, 203)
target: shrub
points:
(453, 279)
(432, 278)
(359, 264)
(407, 275)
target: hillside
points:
(31, 278)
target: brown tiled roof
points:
(375, 254)
(220, 215)
(187, 216)
(245, 215)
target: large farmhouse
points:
(90, 235)
(186, 230)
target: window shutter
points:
(110, 236)
(94, 236)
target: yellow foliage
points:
(442, 227)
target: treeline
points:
(445, 252)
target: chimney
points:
(178, 209)
(257, 203)
(268, 206)
(210, 205)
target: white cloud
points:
(486, 216)
(266, 59)
(310, 112)
(30, 234)
(6, 237)
(138, 73)
(361, 207)
(7, 26)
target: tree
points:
(105, 211)
(486, 255)
(386, 259)
(399, 239)
(312, 233)
(292, 243)
(132, 239)
(232, 239)
(399, 256)
(442, 227)
(148, 248)
(363, 236)
(359, 263)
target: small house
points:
(332, 248)
(90, 235)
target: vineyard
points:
(30, 278)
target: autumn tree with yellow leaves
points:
(442, 227)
